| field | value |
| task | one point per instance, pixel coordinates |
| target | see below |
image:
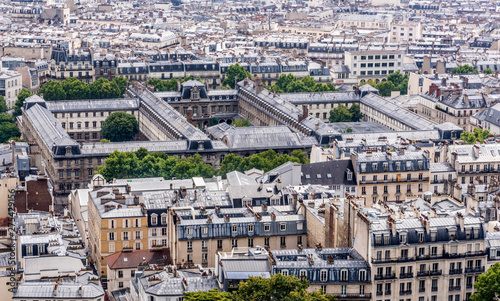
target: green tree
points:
(464, 69)
(119, 165)
(52, 90)
(3, 105)
(385, 88)
(23, 94)
(290, 84)
(488, 71)
(396, 78)
(235, 71)
(487, 285)
(119, 126)
(103, 88)
(211, 295)
(348, 130)
(8, 129)
(122, 84)
(477, 134)
(241, 123)
(141, 153)
(105, 141)
(163, 85)
(340, 114)
(75, 89)
(355, 111)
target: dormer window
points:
(402, 238)
(349, 175)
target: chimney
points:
(475, 148)
(227, 218)
(195, 195)
(305, 113)
(433, 88)
(189, 116)
(460, 220)
(259, 87)
(279, 185)
(443, 82)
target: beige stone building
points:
(391, 176)
(116, 222)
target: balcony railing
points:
(456, 271)
(380, 293)
(421, 289)
(434, 289)
(405, 275)
(355, 296)
(436, 272)
(423, 273)
(455, 288)
(469, 286)
(475, 270)
(407, 292)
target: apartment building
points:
(391, 176)
(374, 64)
(117, 222)
(422, 257)
(64, 64)
(122, 266)
(405, 32)
(11, 84)
(356, 21)
(50, 291)
(475, 164)
(451, 105)
(219, 229)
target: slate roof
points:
(45, 290)
(49, 129)
(260, 137)
(331, 173)
(123, 104)
(404, 116)
(170, 116)
(125, 260)
(173, 286)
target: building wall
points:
(100, 242)
(6, 184)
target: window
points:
(282, 226)
(284, 272)
(235, 243)
(219, 244)
(234, 228)
(125, 235)
(204, 245)
(250, 228)
(283, 241)
(120, 274)
(362, 275)
(138, 234)
(190, 246)
(323, 275)
(250, 242)
(204, 230)
(420, 236)
(266, 241)
(138, 246)
(402, 238)
(189, 231)
(154, 219)
(267, 227)
(163, 219)
(111, 236)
